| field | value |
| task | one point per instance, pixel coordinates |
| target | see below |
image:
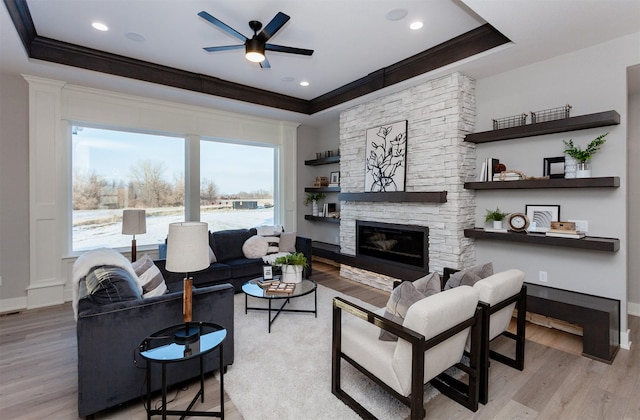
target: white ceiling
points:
(351, 39)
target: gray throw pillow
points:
(479, 271)
(399, 302)
(429, 284)
(287, 242)
(110, 284)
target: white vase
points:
(583, 170)
(314, 208)
(570, 167)
(292, 273)
(497, 224)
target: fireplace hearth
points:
(404, 246)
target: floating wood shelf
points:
(581, 122)
(602, 182)
(322, 189)
(323, 161)
(588, 242)
(397, 197)
(322, 219)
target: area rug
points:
(287, 374)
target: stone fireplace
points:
(440, 113)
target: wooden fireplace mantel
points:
(396, 197)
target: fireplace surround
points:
(406, 246)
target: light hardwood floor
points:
(38, 372)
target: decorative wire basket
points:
(550, 114)
(507, 122)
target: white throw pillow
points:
(255, 247)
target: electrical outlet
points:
(581, 225)
(542, 276)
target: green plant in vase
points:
(313, 198)
(292, 266)
(584, 156)
(496, 216)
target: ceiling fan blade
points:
(291, 50)
(220, 24)
(274, 26)
(265, 64)
(223, 48)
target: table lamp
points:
(187, 251)
(134, 222)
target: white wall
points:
(591, 80)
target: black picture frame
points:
(554, 167)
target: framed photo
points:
(267, 272)
(554, 167)
(334, 178)
(385, 157)
(541, 216)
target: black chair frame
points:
(517, 362)
(466, 394)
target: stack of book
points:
(488, 169)
(565, 233)
(266, 283)
(507, 177)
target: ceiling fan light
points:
(254, 51)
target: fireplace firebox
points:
(401, 245)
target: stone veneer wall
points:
(440, 113)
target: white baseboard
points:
(13, 305)
(633, 308)
(624, 340)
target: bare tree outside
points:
(208, 190)
(147, 184)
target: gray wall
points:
(590, 85)
(14, 186)
(633, 219)
(310, 141)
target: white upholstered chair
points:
(500, 294)
(432, 339)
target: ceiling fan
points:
(256, 46)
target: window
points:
(113, 170)
(236, 184)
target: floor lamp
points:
(134, 222)
(187, 251)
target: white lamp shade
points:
(134, 222)
(187, 247)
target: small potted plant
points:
(495, 216)
(582, 157)
(313, 198)
(292, 266)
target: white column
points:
(46, 162)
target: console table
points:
(599, 317)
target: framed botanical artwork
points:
(541, 216)
(385, 157)
(334, 178)
(554, 167)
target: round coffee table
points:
(251, 288)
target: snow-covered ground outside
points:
(110, 235)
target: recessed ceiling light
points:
(100, 26)
(304, 83)
(396, 14)
(416, 25)
(134, 36)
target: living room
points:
(593, 79)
